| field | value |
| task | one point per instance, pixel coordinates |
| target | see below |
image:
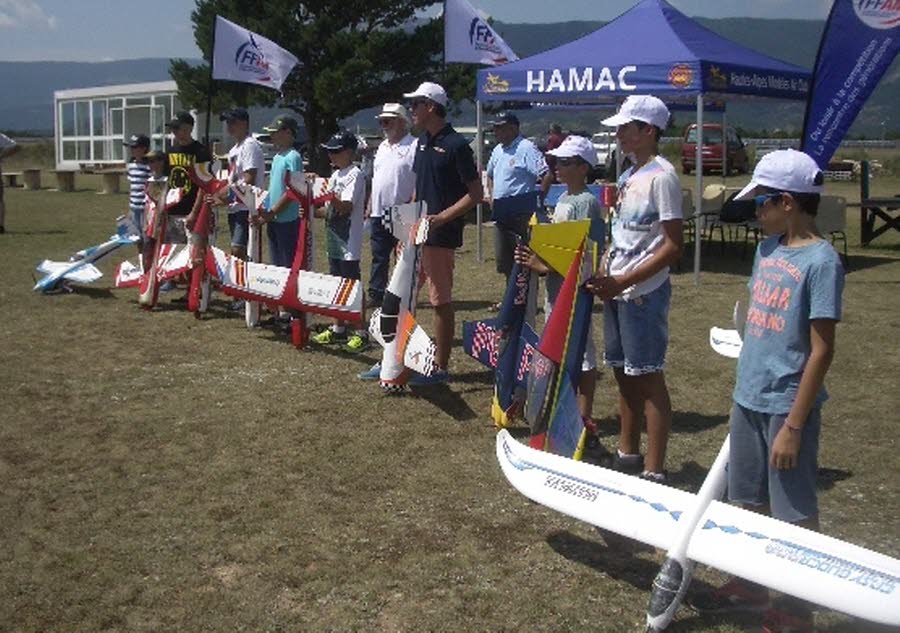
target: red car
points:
(712, 150)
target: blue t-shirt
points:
(281, 163)
(789, 288)
(516, 168)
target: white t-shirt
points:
(344, 233)
(247, 154)
(647, 198)
(393, 179)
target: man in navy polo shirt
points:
(447, 180)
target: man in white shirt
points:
(245, 164)
(8, 147)
(393, 182)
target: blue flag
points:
(860, 41)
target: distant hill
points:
(30, 105)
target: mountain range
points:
(29, 106)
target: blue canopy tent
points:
(650, 49)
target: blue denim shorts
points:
(791, 493)
(239, 225)
(636, 332)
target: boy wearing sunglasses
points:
(795, 303)
(575, 158)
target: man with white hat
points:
(788, 345)
(393, 182)
(448, 181)
(633, 281)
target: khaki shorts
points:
(437, 268)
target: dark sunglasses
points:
(762, 199)
(568, 161)
(415, 103)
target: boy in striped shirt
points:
(138, 174)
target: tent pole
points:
(479, 159)
(698, 192)
(724, 146)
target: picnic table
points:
(11, 178)
(32, 178)
(110, 180)
(870, 210)
(873, 208)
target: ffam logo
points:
(878, 14)
(481, 37)
(250, 59)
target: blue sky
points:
(97, 30)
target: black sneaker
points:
(627, 466)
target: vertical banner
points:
(242, 55)
(469, 39)
(861, 39)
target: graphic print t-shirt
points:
(789, 288)
(180, 160)
(647, 198)
(248, 154)
(344, 232)
(581, 206)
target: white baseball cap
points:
(785, 170)
(576, 146)
(393, 111)
(646, 108)
(429, 90)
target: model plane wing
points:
(787, 558)
(85, 274)
(557, 244)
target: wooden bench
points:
(65, 180)
(31, 178)
(110, 180)
(11, 178)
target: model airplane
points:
(700, 529)
(294, 288)
(406, 345)
(507, 342)
(206, 178)
(80, 268)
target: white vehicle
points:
(605, 144)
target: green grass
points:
(161, 473)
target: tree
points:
(353, 55)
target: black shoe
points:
(629, 467)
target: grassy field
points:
(167, 474)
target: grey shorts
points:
(791, 494)
(505, 244)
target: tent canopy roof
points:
(652, 48)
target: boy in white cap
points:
(574, 160)
(788, 345)
(633, 281)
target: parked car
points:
(712, 150)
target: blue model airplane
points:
(80, 267)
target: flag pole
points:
(210, 86)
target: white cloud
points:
(15, 14)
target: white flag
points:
(242, 55)
(468, 38)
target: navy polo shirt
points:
(444, 163)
